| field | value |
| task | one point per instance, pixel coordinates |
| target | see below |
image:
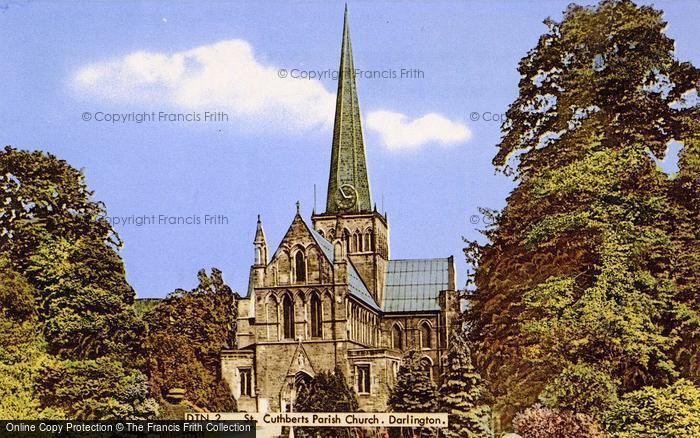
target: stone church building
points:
(331, 296)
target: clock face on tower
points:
(346, 198)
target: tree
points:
(462, 394)
(326, 392)
(54, 234)
(45, 197)
(581, 267)
(673, 410)
(20, 370)
(85, 303)
(21, 353)
(684, 226)
(582, 389)
(73, 337)
(541, 422)
(101, 389)
(414, 390)
(185, 334)
(18, 315)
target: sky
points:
(213, 113)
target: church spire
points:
(260, 244)
(348, 183)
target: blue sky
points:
(60, 61)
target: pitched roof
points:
(356, 286)
(415, 285)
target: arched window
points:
(316, 317)
(300, 267)
(425, 335)
(397, 337)
(272, 319)
(346, 239)
(288, 306)
(368, 241)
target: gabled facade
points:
(330, 295)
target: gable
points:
(300, 236)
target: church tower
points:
(350, 217)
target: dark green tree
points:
(81, 361)
(96, 389)
(18, 314)
(414, 391)
(185, 334)
(45, 197)
(683, 224)
(85, 303)
(581, 267)
(22, 355)
(462, 394)
(326, 392)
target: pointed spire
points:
(260, 233)
(348, 182)
(260, 244)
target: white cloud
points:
(399, 132)
(225, 76)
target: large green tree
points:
(582, 267)
(414, 391)
(79, 337)
(462, 394)
(45, 197)
(84, 300)
(672, 410)
(185, 334)
(99, 389)
(22, 354)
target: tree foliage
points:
(72, 336)
(326, 392)
(96, 389)
(541, 422)
(21, 353)
(85, 302)
(414, 390)
(45, 197)
(462, 394)
(584, 275)
(581, 388)
(673, 410)
(20, 370)
(18, 315)
(185, 334)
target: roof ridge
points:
(419, 259)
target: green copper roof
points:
(348, 183)
(356, 286)
(415, 285)
(325, 245)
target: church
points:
(331, 296)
